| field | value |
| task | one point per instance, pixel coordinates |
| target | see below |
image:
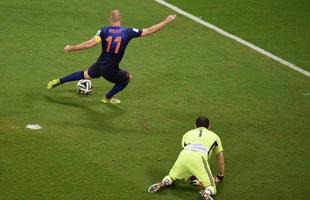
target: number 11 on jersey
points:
(118, 41)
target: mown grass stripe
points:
(236, 38)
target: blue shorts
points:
(110, 73)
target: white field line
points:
(236, 38)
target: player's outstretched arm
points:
(221, 167)
(85, 45)
(153, 29)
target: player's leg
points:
(121, 80)
(177, 172)
(72, 77)
(164, 183)
(201, 170)
(88, 74)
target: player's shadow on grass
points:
(98, 120)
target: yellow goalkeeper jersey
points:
(203, 140)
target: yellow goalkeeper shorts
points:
(192, 163)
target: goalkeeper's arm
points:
(221, 167)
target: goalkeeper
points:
(192, 163)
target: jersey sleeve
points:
(184, 140)
(218, 148)
(134, 33)
(97, 37)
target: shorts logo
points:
(98, 32)
(135, 30)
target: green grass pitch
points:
(87, 150)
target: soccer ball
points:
(84, 86)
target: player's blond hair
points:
(115, 16)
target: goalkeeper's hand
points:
(218, 178)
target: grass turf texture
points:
(87, 150)
(280, 26)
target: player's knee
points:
(86, 75)
(129, 76)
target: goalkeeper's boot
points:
(53, 83)
(112, 100)
(159, 186)
(206, 194)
